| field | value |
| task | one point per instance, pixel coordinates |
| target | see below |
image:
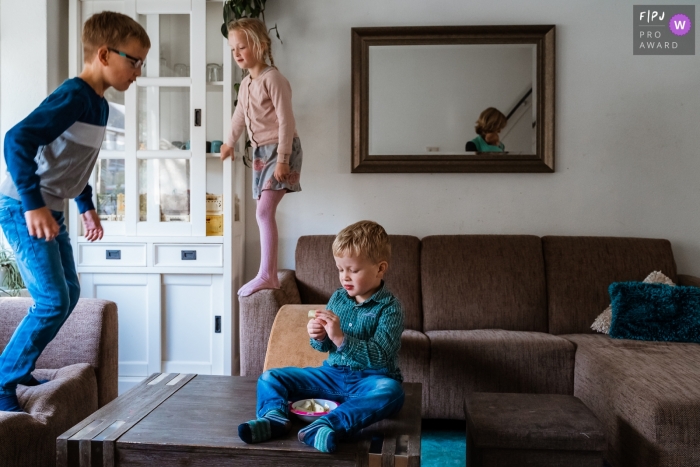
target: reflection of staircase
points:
(517, 112)
(520, 102)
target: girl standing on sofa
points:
(265, 108)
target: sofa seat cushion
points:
(414, 360)
(52, 408)
(647, 394)
(495, 360)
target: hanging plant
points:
(235, 10)
(12, 281)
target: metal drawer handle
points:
(188, 255)
(114, 254)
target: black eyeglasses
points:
(135, 62)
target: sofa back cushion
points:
(483, 282)
(580, 269)
(317, 276)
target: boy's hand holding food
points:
(331, 325)
(315, 328)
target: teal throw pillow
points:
(655, 312)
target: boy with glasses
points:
(50, 155)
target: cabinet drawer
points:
(209, 255)
(118, 254)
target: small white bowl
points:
(311, 416)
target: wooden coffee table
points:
(192, 420)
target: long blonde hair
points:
(257, 35)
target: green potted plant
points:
(11, 282)
(237, 9)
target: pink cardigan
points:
(265, 108)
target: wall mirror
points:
(417, 93)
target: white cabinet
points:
(172, 255)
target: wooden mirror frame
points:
(542, 36)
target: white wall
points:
(412, 107)
(24, 66)
(33, 57)
(627, 139)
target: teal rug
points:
(443, 443)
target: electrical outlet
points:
(433, 148)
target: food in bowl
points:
(311, 409)
(310, 405)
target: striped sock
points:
(272, 425)
(319, 435)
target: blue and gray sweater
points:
(51, 153)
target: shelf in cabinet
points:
(111, 154)
(164, 82)
(165, 154)
(154, 239)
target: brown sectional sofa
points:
(501, 313)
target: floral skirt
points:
(264, 163)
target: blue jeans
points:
(48, 270)
(365, 396)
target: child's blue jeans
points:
(366, 396)
(48, 270)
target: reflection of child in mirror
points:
(488, 126)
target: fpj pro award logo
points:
(664, 29)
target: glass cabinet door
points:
(168, 112)
(157, 174)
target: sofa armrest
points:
(685, 279)
(89, 335)
(52, 408)
(257, 313)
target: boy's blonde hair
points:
(364, 238)
(256, 33)
(113, 30)
(491, 120)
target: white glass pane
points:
(170, 179)
(174, 45)
(174, 187)
(114, 133)
(143, 190)
(109, 189)
(164, 118)
(215, 40)
(215, 197)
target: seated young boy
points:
(361, 329)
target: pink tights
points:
(265, 213)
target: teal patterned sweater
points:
(372, 332)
